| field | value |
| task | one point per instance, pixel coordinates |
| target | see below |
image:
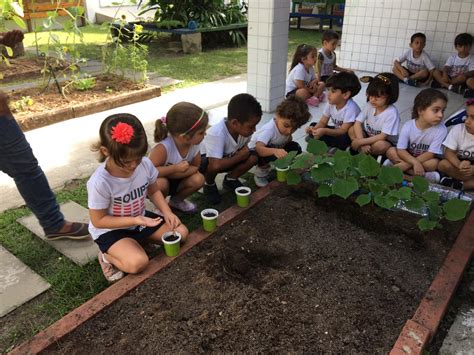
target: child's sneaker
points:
(458, 89)
(184, 206)
(452, 182)
(261, 176)
(313, 101)
(111, 273)
(412, 82)
(231, 184)
(432, 176)
(387, 162)
(212, 194)
(468, 93)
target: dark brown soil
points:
(291, 276)
(106, 86)
(24, 68)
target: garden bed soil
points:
(291, 275)
(24, 68)
(50, 107)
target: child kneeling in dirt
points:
(274, 140)
(116, 199)
(225, 149)
(458, 164)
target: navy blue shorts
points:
(106, 240)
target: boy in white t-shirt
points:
(418, 64)
(274, 139)
(458, 72)
(341, 110)
(458, 164)
(225, 149)
(326, 63)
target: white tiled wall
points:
(267, 51)
(377, 31)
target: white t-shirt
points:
(270, 136)
(123, 197)
(418, 141)
(219, 143)
(416, 64)
(459, 65)
(386, 122)
(461, 141)
(172, 153)
(326, 63)
(299, 72)
(347, 114)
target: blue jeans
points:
(17, 160)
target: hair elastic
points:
(385, 80)
(163, 120)
(194, 125)
(122, 133)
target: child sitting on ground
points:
(301, 80)
(418, 63)
(458, 164)
(421, 138)
(376, 128)
(458, 72)
(176, 156)
(274, 139)
(341, 109)
(225, 149)
(326, 64)
(116, 199)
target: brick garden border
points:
(413, 339)
(62, 114)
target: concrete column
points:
(267, 51)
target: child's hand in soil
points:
(148, 222)
(280, 153)
(172, 220)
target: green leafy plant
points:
(83, 84)
(360, 176)
(23, 103)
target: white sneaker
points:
(260, 181)
(184, 206)
(111, 273)
(387, 162)
(432, 176)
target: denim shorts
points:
(106, 240)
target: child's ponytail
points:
(161, 131)
(301, 51)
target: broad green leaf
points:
(404, 193)
(324, 190)
(19, 22)
(315, 146)
(380, 201)
(342, 161)
(455, 209)
(368, 166)
(390, 175)
(293, 178)
(322, 173)
(345, 187)
(431, 196)
(285, 161)
(356, 159)
(426, 225)
(415, 204)
(434, 209)
(375, 187)
(303, 160)
(9, 51)
(420, 184)
(363, 200)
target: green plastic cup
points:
(209, 219)
(281, 173)
(171, 242)
(243, 196)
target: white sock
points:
(450, 87)
(104, 259)
(230, 178)
(210, 184)
(405, 80)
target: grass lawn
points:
(72, 285)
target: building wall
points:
(267, 51)
(375, 32)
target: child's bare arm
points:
(102, 219)
(222, 164)
(373, 139)
(156, 196)
(264, 151)
(452, 157)
(300, 84)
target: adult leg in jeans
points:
(17, 160)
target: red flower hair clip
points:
(122, 133)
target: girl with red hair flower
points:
(117, 191)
